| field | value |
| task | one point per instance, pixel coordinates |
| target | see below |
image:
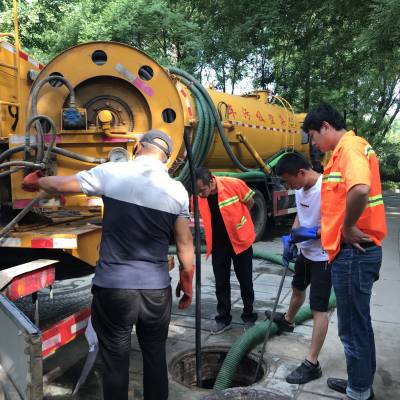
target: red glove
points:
(185, 285)
(31, 181)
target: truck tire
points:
(259, 214)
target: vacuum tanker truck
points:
(87, 106)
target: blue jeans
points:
(353, 274)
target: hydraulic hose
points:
(10, 171)
(21, 215)
(35, 94)
(56, 150)
(53, 130)
(18, 163)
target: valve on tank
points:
(74, 118)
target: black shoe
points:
(247, 325)
(340, 385)
(280, 320)
(304, 373)
(220, 327)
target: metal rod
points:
(198, 255)
(270, 322)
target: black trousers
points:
(222, 256)
(114, 312)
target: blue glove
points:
(301, 234)
(289, 250)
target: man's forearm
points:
(185, 252)
(356, 201)
(60, 184)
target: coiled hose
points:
(208, 119)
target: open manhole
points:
(183, 368)
(245, 394)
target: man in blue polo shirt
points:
(143, 206)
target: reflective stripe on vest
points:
(375, 200)
(229, 201)
(333, 177)
(248, 196)
(241, 223)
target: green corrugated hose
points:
(250, 339)
(255, 335)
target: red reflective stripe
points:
(23, 55)
(42, 243)
(64, 331)
(30, 282)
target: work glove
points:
(289, 250)
(31, 182)
(302, 233)
(185, 285)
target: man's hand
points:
(302, 234)
(185, 286)
(31, 182)
(289, 250)
(354, 236)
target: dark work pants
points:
(222, 256)
(114, 312)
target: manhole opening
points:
(183, 368)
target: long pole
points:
(186, 137)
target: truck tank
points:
(112, 93)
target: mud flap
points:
(20, 351)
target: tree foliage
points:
(339, 51)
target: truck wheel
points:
(259, 214)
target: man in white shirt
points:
(312, 267)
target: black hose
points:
(35, 93)
(21, 215)
(53, 131)
(57, 150)
(10, 171)
(79, 157)
(19, 163)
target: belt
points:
(364, 245)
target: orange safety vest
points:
(233, 194)
(353, 162)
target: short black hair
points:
(291, 164)
(324, 112)
(203, 174)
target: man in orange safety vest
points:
(353, 226)
(224, 205)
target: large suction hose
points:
(255, 335)
(250, 339)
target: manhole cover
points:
(183, 368)
(245, 394)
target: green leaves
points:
(339, 51)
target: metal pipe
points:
(21, 215)
(254, 153)
(17, 50)
(186, 137)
